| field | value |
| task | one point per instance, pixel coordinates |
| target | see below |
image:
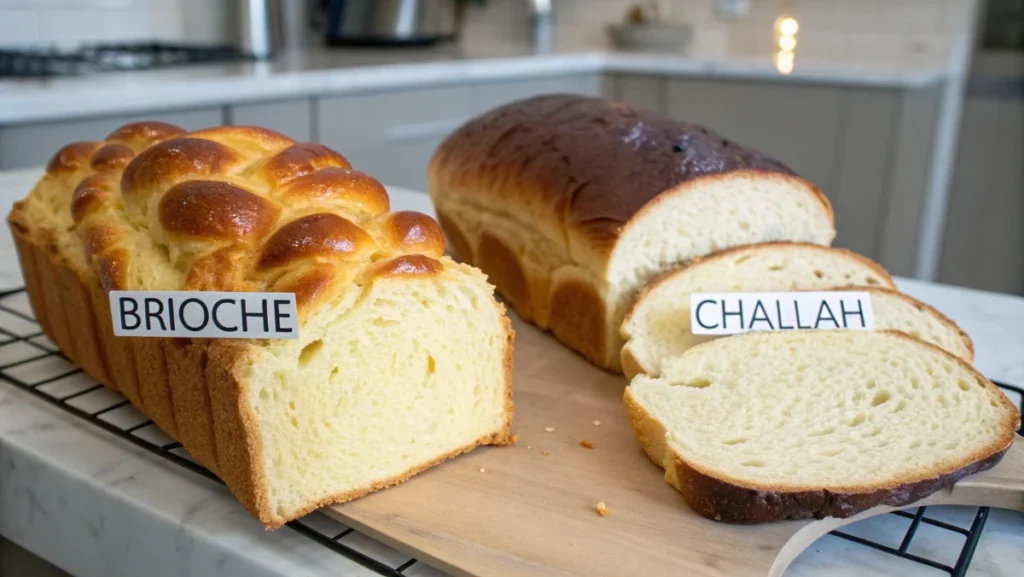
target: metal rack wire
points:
(29, 361)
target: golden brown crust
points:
(504, 270)
(463, 249)
(578, 319)
(724, 498)
(316, 235)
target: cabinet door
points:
(27, 145)
(289, 117)
(983, 245)
(641, 91)
(484, 97)
(391, 136)
(796, 124)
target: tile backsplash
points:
(70, 22)
(842, 25)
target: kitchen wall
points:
(870, 27)
(35, 22)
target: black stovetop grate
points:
(98, 58)
(31, 362)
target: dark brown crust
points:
(591, 162)
(733, 501)
(578, 319)
(723, 501)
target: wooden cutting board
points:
(529, 509)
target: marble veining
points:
(94, 504)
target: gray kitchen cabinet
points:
(293, 118)
(24, 145)
(484, 97)
(392, 135)
(796, 124)
(642, 91)
(983, 245)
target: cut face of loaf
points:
(798, 425)
(403, 358)
(657, 326)
(570, 204)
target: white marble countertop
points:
(95, 505)
(320, 71)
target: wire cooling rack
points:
(29, 361)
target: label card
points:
(204, 314)
(732, 313)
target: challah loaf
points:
(403, 358)
(809, 424)
(571, 203)
(657, 326)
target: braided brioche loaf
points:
(404, 356)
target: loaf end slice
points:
(413, 371)
(799, 425)
(657, 326)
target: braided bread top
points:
(232, 208)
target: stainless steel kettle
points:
(391, 22)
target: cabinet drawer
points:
(293, 118)
(391, 136)
(484, 97)
(27, 145)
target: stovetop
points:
(99, 58)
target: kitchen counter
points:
(94, 504)
(319, 71)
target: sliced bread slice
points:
(810, 424)
(658, 325)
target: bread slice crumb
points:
(545, 453)
(515, 439)
(482, 470)
(529, 446)
(602, 509)
(586, 444)
(597, 423)
(549, 429)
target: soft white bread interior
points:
(658, 324)
(800, 424)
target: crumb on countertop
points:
(515, 439)
(529, 446)
(482, 470)
(549, 429)
(586, 444)
(545, 453)
(602, 509)
(597, 423)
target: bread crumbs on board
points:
(602, 509)
(586, 444)
(549, 429)
(597, 423)
(545, 453)
(482, 470)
